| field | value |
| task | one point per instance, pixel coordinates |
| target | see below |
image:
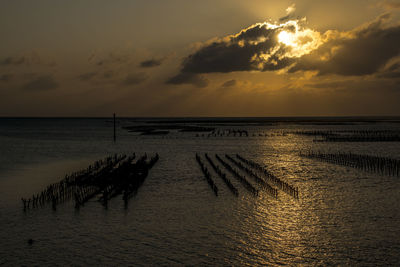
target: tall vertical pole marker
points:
(115, 135)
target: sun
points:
(299, 41)
(287, 38)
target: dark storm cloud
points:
(254, 48)
(229, 83)
(189, 78)
(135, 78)
(369, 50)
(41, 83)
(151, 63)
(242, 52)
(362, 51)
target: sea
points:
(343, 216)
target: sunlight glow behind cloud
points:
(300, 40)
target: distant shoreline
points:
(229, 119)
(206, 117)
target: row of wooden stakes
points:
(374, 164)
(255, 175)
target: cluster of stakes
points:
(108, 178)
(381, 165)
(272, 191)
(282, 185)
(239, 133)
(226, 133)
(238, 176)
(278, 183)
(353, 136)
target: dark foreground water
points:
(344, 216)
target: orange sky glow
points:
(200, 58)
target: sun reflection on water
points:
(288, 228)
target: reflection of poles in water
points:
(115, 136)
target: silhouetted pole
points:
(115, 136)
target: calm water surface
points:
(343, 216)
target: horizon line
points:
(207, 117)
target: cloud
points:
(135, 78)
(229, 83)
(87, 76)
(260, 47)
(363, 51)
(13, 61)
(289, 13)
(255, 48)
(91, 57)
(110, 59)
(390, 4)
(330, 85)
(391, 72)
(291, 9)
(108, 74)
(189, 78)
(292, 47)
(27, 59)
(6, 77)
(41, 83)
(151, 63)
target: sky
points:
(186, 58)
